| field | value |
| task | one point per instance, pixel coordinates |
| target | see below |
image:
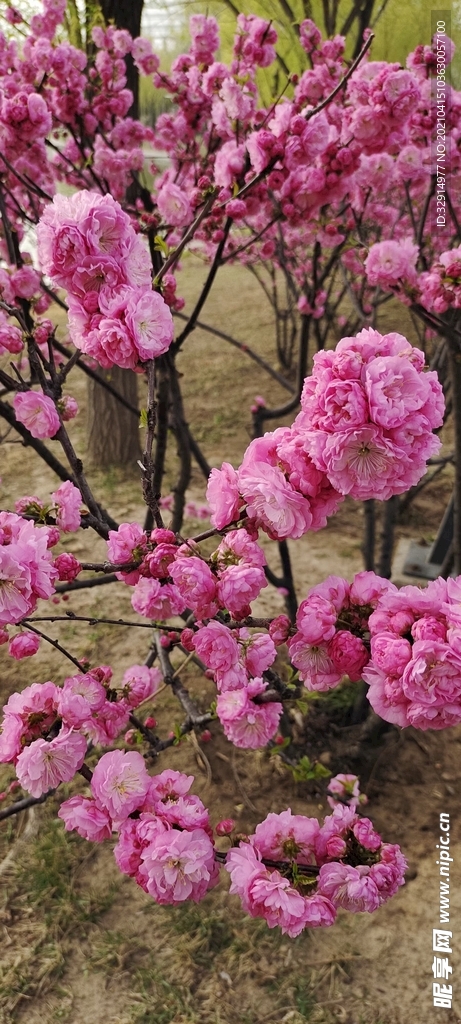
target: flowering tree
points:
(365, 428)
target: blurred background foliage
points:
(398, 27)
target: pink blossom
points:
(43, 765)
(259, 653)
(347, 788)
(287, 836)
(24, 645)
(222, 495)
(196, 583)
(272, 501)
(120, 783)
(81, 695)
(390, 263)
(139, 683)
(177, 866)
(348, 887)
(316, 667)
(68, 500)
(217, 646)
(155, 600)
(245, 723)
(127, 544)
(150, 322)
(36, 412)
(349, 654)
(82, 815)
(238, 586)
(279, 629)
(68, 567)
(365, 834)
(174, 206)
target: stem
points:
(391, 511)
(148, 462)
(369, 539)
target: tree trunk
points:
(113, 431)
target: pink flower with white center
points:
(348, 887)
(95, 278)
(155, 600)
(238, 586)
(68, 500)
(150, 322)
(196, 583)
(177, 866)
(23, 645)
(37, 412)
(120, 783)
(81, 814)
(222, 495)
(360, 462)
(316, 668)
(43, 765)
(140, 683)
(80, 696)
(168, 785)
(174, 206)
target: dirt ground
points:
(84, 945)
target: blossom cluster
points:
(46, 728)
(88, 245)
(331, 624)
(365, 429)
(296, 873)
(414, 675)
(166, 844)
(27, 572)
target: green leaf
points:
(161, 246)
(143, 418)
